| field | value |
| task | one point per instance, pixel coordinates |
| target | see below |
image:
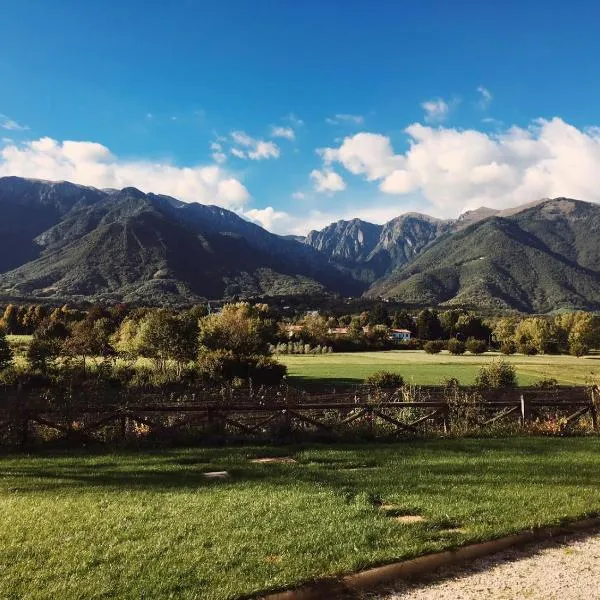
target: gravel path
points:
(568, 568)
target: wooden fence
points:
(29, 419)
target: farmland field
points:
(151, 525)
(420, 368)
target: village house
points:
(400, 335)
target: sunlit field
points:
(420, 368)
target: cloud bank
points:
(452, 170)
(90, 163)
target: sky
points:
(296, 114)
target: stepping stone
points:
(274, 459)
(216, 475)
(409, 519)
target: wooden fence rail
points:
(27, 419)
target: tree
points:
(10, 320)
(468, 326)
(403, 320)
(164, 336)
(504, 329)
(379, 315)
(448, 320)
(6, 354)
(315, 329)
(88, 338)
(428, 325)
(241, 328)
(537, 334)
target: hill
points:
(126, 245)
(538, 259)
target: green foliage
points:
(385, 380)
(434, 346)
(548, 383)
(578, 349)
(6, 354)
(475, 346)
(455, 346)
(240, 328)
(224, 366)
(428, 325)
(508, 347)
(496, 375)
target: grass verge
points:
(151, 525)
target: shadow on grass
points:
(427, 468)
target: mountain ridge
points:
(63, 240)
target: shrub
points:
(385, 379)
(508, 347)
(456, 347)
(578, 349)
(224, 365)
(496, 375)
(527, 348)
(475, 346)
(546, 384)
(433, 347)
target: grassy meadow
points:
(420, 368)
(151, 525)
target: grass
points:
(149, 525)
(420, 368)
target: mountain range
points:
(65, 242)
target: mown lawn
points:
(420, 368)
(150, 525)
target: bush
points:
(528, 349)
(578, 349)
(433, 347)
(546, 384)
(456, 347)
(497, 375)
(385, 380)
(508, 348)
(475, 346)
(223, 365)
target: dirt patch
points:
(274, 459)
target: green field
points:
(150, 525)
(420, 368)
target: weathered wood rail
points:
(28, 418)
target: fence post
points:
(593, 411)
(446, 419)
(524, 414)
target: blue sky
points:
(299, 113)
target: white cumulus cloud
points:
(327, 181)
(90, 163)
(253, 149)
(453, 170)
(283, 132)
(436, 110)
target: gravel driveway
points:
(567, 568)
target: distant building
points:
(400, 335)
(293, 329)
(338, 331)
